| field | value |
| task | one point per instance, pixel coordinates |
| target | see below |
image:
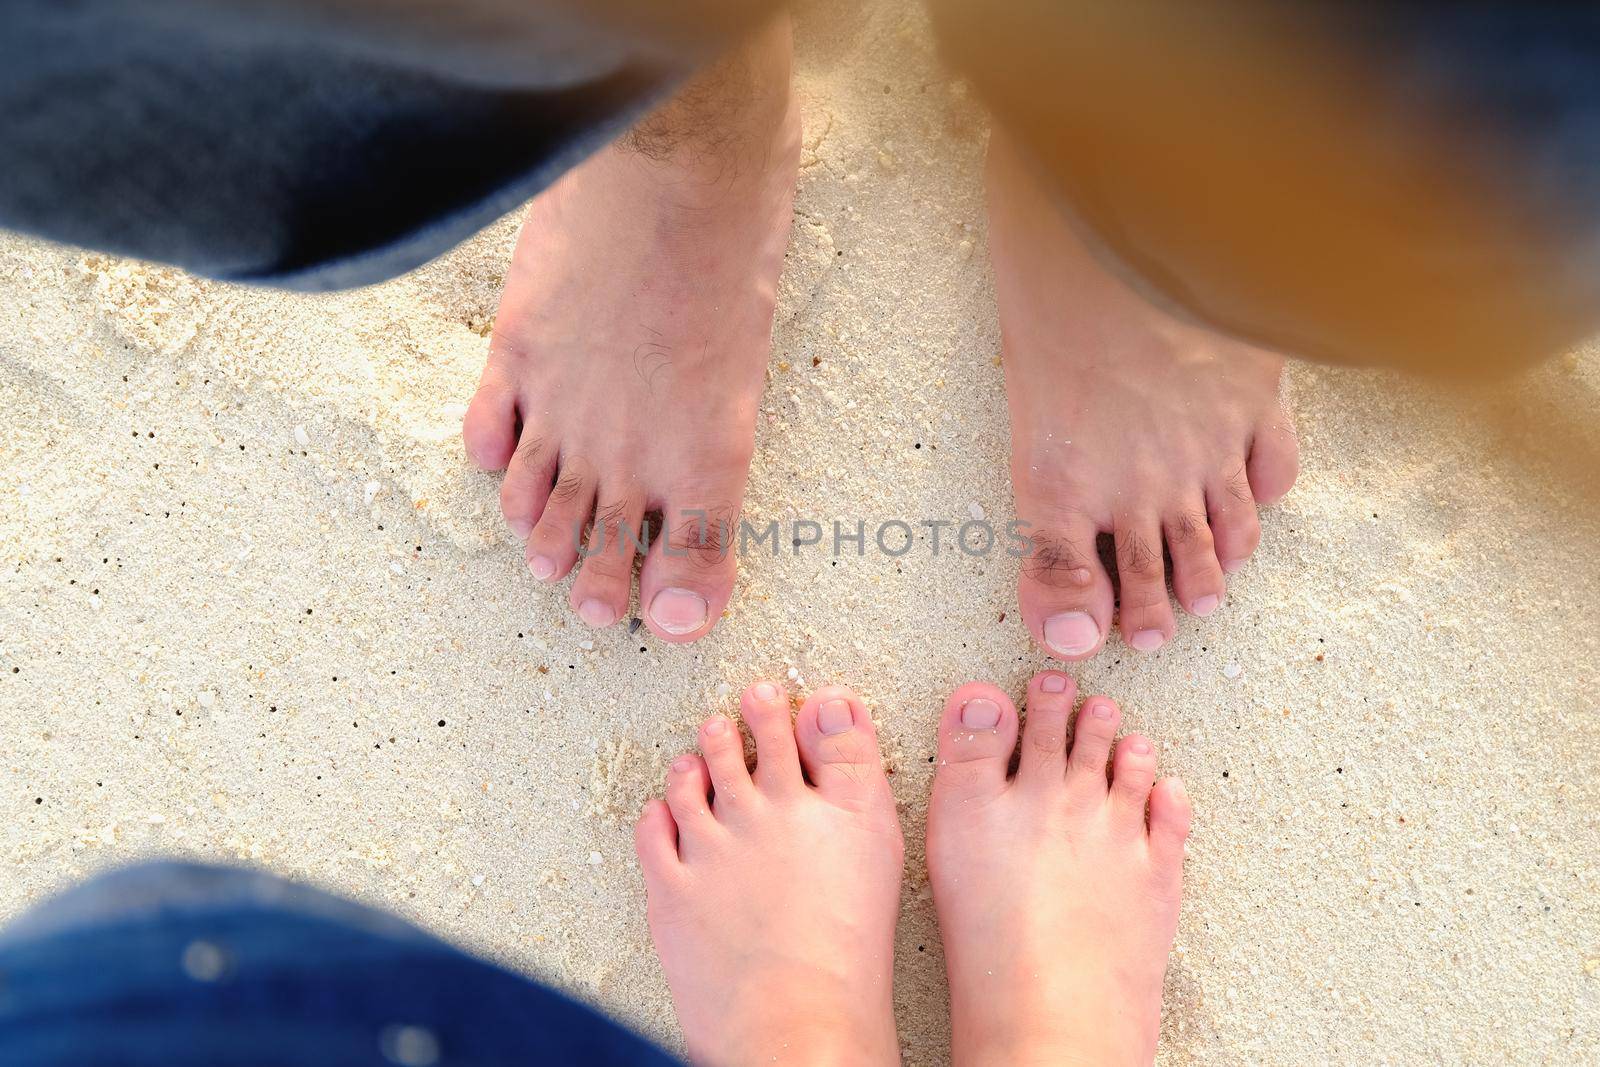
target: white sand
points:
(245, 572)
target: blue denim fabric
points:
(270, 146)
(180, 965)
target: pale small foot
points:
(1057, 891)
(773, 894)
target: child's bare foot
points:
(1057, 895)
(631, 342)
(1123, 420)
(773, 899)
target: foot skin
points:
(773, 899)
(630, 347)
(1057, 894)
(1127, 421)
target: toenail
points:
(980, 714)
(1053, 683)
(1100, 710)
(543, 567)
(1231, 565)
(835, 717)
(596, 613)
(1071, 633)
(1205, 605)
(716, 726)
(682, 763)
(1139, 747)
(1148, 640)
(678, 611)
(766, 691)
(521, 527)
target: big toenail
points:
(1231, 565)
(543, 567)
(835, 717)
(980, 714)
(1148, 640)
(678, 611)
(682, 764)
(766, 691)
(1071, 633)
(716, 726)
(596, 613)
(1100, 710)
(1053, 683)
(1205, 605)
(1139, 747)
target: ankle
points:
(725, 118)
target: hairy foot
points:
(773, 894)
(631, 343)
(1057, 894)
(1127, 421)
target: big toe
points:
(1064, 590)
(687, 578)
(977, 734)
(839, 747)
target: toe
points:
(1064, 591)
(489, 430)
(1196, 575)
(600, 592)
(1043, 762)
(1274, 459)
(552, 546)
(688, 574)
(1091, 747)
(689, 800)
(1170, 814)
(1232, 510)
(1146, 611)
(839, 748)
(655, 842)
(765, 708)
(977, 734)
(1133, 772)
(723, 749)
(527, 484)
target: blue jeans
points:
(182, 965)
(308, 144)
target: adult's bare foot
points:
(772, 899)
(1057, 894)
(1124, 420)
(629, 350)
